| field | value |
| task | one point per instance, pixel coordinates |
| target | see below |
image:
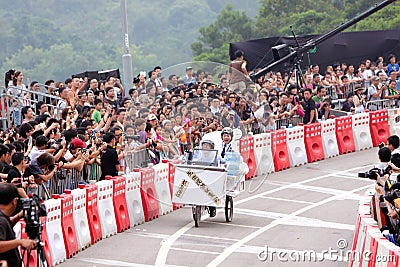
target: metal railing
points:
(136, 159)
(293, 121)
(381, 104)
(70, 179)
(26, 98)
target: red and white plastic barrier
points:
(133, 198)
(379, 126)
(161, 174)
(54, 233)
(171, 178)
(263, 153)
(80, 218)
(313, 142)
(148, 193)
(92, 212)
(279, 150)
(329, 142)
(344, 135)
(361, 132)
(119, 203)
(394, 121)
(370, 247)
(106, 208)
(67, 223)
(246, 145)
(295, 146)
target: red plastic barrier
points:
(279, 150)
(92, 212)
(67, 223)
(119, 200)
(171, 178)
(344, 135)
(246, 147)
(148, 193)
(313, 142)
(379, 126)
(45, 240)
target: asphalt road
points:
(303, 216)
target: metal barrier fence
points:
(136, 159)
(381, 104)
(293, 121)
(25, 98)
(70, 179)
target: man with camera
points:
(393, 144)
(8, 243)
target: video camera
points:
(374, 173)
(392, 196)
(33, 210)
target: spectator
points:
(27, 114)
(393, 144)
(8, 244)
(309, 107)
(237, 72)
(374, 93)
(392, 65)
(109, 158)
(189, 78)
(348, 106)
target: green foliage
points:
(213, 42)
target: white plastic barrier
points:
(388, 254)
(54, 232)
(80, 218)
(106, 208)
(133, 198)
(263, 153)
(361, 131)
(162, 187)
(394, 121)
(329, 141)
(295, 146)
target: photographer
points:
(15, 174)
(393, 144)
(8, 243)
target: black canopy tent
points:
(348, 47)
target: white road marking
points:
(295, 220)
(118, 263)
(291, 185)
(228, 251)
(286, 200)
(233, 224)
(195, 251)
(211, 237)
(167, 244)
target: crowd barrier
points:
(114, 205)
(370, 247)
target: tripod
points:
(298, 76)
(41, 256)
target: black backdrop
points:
(349, 47)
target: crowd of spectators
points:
(94, 122)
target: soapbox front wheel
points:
(228, 208)
(196, 211)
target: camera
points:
(374, 173)
(391, 196)
(33, 210)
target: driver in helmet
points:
(226, 146)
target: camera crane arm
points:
(298, 51)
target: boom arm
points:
(296, 51)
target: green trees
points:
(213, 42)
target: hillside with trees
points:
(54, 39)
